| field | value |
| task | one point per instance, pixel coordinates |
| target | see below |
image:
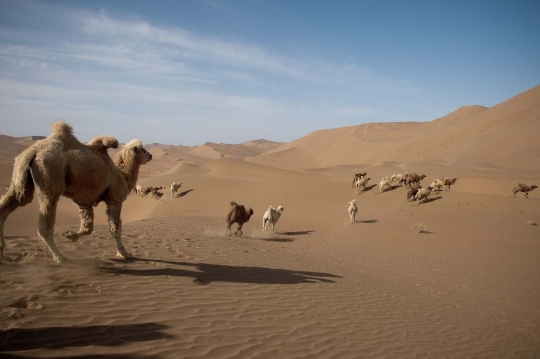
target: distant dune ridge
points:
(506, 135)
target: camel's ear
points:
(135, 148)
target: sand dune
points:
(505, 136)
(454, 277)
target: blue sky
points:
(187, 72)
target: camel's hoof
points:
(60, 259)
(124, 255)
(72, 236)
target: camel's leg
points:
(47, 216)
(228, 230)
(273, 227)
(8, 204)
(115, 227)
(86, 213)
(239, 232)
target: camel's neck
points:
(130, 174)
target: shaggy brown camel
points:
(524, 188)
(413, 178)
(60, 165)
(411, 192)
(237, 214)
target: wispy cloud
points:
(112, 69)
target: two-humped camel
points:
(60, 165)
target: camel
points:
(175, 187)
(449, 182)
(237, 214)
(361, 183)
(413, 178)
(411, 192)
(271, 216)
(353, 209)
(524, 188)
(437, 184)
(423, 193)
(60, 165)
(358, 176)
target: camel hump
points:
(270, 207)
(233, 203)
(63, 131)
(103, 142)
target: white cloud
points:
(100, 70)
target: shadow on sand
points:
(17, 339)
(428, 200)
(207, 273)
(369, 221)
(182, 194)
(297, 233)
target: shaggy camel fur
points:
(414, 178)
(153, 190)
(404, 179)
(357, 177)
(422, 193)
(384, 182)
(449, 182)
(353, 209)
(361, 183)
(524, 188)
(438, 183)
(271, 216)
(396, 177)
(60, 165)
(411, 192)
(174, 188)
(138, 190)
(237, 214)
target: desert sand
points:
(455, 277)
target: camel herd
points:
(60, 165)
(410, 180)
(155, 191)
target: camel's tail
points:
(21, 181)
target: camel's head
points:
(533, 187)
(141, 154)
(422, 177)
(454, 180)
(249, 211)
(353, 202)
(280, 209)
(367, 179)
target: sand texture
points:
(457, 276)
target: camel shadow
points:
(207, 273)
(297, 233)
(182, 194)
(370, 221)
(369, 188)
(18, 339)
(428, 200)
